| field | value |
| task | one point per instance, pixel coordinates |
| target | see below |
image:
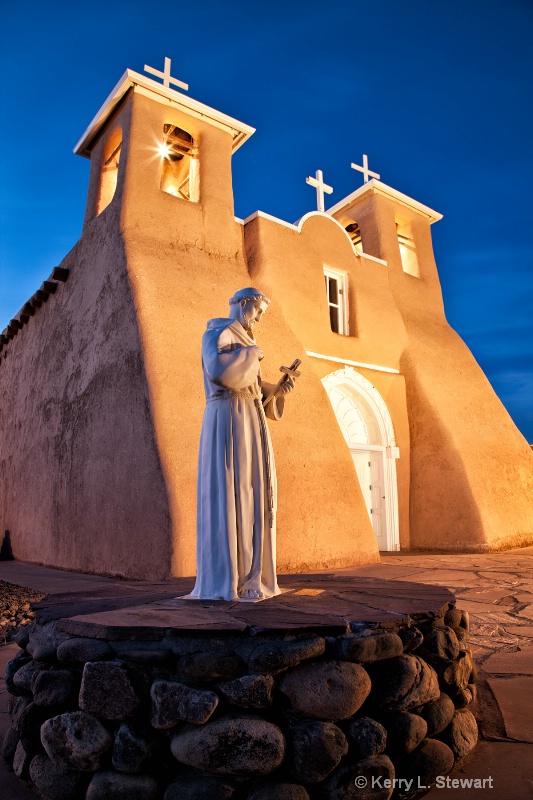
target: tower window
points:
(109, 174)
(179, 176)
(407, 249)
(355, 235)
(337, 295)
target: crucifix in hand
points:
(167, 80)
(321, 187)
(364, 169)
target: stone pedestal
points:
(338, 688)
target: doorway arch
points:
(366, 425)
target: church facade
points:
(393, 440)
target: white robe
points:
(237, 491)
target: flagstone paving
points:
(495, 588)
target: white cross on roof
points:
(321, 187)
(167, 80)
(364, 169)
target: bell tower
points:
(162, 157)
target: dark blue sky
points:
(439, 94)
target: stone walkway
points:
(497, 591)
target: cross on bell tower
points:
(364, 169)
(167, 80)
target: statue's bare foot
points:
(251, 594)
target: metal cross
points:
(321, 187)
(364, 169)
(167, 80)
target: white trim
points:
(353, 363)
(238, 130)
(376, 187)
(297, 226)
(264, 215)
(356, 384)
(371, 258)
(238, 220)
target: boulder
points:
(316, 748)
(107, 785)
(367, 649)
(43, 642)
(173, 702)
(439, 643)
(250, 691)
(461, 735)
(411, 638)
(54, 687)
(438, 714)
(55, 783)
(21, 761)
(453, 617)
(405, 731)
(276, 655)
(209, 666)
(9, 745)
(129, 749)
(366, 737)
(240, 746)
(202, 787)
(107, 691)
(327, 690)
(403, 683)
(369, 779)
(430, 759)
(21, 659)
(23, 677)
(455, 675)
(80, 650)
(75, 740)
(29, 726)
(279, 791)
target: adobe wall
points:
(471, 469)
(80, 477)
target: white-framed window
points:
(337, 295)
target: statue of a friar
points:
(237, 493)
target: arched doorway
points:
(366, 424)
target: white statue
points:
(237, 493)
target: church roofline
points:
(376, 187)
(238, 130)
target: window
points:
(179, 175)
(337, 295)
(355, 235)
(407, 249)
(109, 174)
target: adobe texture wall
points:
(148, 273)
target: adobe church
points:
(392, 440)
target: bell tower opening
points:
(179, 174)
(109, 171)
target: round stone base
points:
(338, 688)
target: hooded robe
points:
(237, 491)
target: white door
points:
(369, 468)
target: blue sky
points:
(437, 93)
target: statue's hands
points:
(286, 387)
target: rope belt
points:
(243, 394)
